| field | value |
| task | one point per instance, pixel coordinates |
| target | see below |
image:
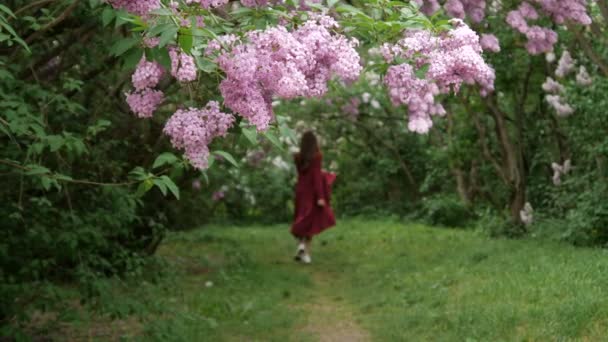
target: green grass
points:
(397, 282)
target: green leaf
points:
(144, 187)
(210, 161)
(107, 16)
(132, 58)
(421, 72)
(139, 173)
(165, 158)
(123, 45)
(162, 11)
(167, 36)
(62, 177)
(251, 134)
(161, 185)
(273, 139)
(46, 183)
(228, 157)
(185, 42)
(288, 133)
(331, 3)
(55, 142)
(154, 31)
(36, 170)
(205, 65)
(7, 11)
(172, 187)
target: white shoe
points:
(300, 252)
(306, 258)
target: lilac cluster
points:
(583, 78)
(554, 90)
(218, 195)
(276, 62)
(552, 87)
(565, 65)
(183, 67)
(474, 9)
(137, 7)
(147, 74)
(452, 58)
(193, 130)
(526, 214)
(144, 100)
(561, 108)
(560, 170)
(540, 39)
(489, 42)
(263, 3)
(404, 87)
(208, 3)
(566, 10)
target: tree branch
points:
(586, 46)
(74, 181)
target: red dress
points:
(313, 184)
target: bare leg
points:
(308, 244)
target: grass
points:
(375, 280)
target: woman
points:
(313, 212)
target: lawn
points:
(369, 281)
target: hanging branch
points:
(74, 181)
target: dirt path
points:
(330, 319)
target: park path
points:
(330, 318)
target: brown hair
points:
(308, 149)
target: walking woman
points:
(313, 213)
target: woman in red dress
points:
(313, 212)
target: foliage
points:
(445, 210)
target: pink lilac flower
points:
(566, 10)
(194, 129)
(561, 109)
(552, 87)
(526, 214)
(560, 170)
(452, 58)
(474, 9)
(151, 42)
(144, 102)
(282, 64)
(565, 65)
(137, 7)
(489, 42)
(218, 195)
(540, 40)
(183, 67)
(583, 78)
(208, 3)
(405, 88)
(147, 74)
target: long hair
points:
(308, 149)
